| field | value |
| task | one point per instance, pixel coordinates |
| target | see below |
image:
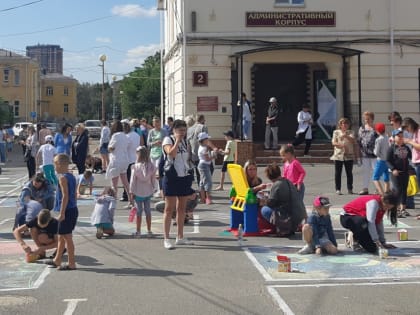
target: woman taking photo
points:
(176, 182)
(363, 216)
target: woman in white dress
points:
(118, 157)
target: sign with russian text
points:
(290, 19)
(207, 103)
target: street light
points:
(114, 105)
(102, 58)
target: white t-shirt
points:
(181, 159)
(203, 153)
(47, 152)
(133, 143)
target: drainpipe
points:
(391, 52)
(184, 59)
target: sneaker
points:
(123, 199)
(400, 214)
(307, 249)
(129, 206)
(363, 192)
(405, 212)
(30, 257)
(136, 234)
(350, 192)
(167, 244)
(99, 232)
(149, 234)
(338, 192)
(183, 241)
(208, 201)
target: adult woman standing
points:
(176, 182)
(154, 142)
(343, 140)
(366, 140)
(30, 150)
(118, 157)
(62, 140)
(363, 216)
(410, 126)
(79, 148)
(103, 144)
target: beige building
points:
(58, 98)
(19, 85)
(368, 50)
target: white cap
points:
(203, 136)
(125, 121)
(272, 100)
(49, 138)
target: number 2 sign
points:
(200, 78)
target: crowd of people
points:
(164, 161)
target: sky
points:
(127, 32)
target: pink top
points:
(143, 179)
(415, 154)
(294, 172)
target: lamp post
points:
(122, 102)
(114, 105)
(102, 58)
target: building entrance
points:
(289, 84)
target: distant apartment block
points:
(50, 57)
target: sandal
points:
(66, 268)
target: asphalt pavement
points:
(127, 275)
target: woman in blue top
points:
(62, 140)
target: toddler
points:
(85, 180)
(142, 186)
(103, 214)
(229, 156)
(318, 233)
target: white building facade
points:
(214, 50)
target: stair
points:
(320, 153)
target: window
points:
(289, 2)
(66, 108)
(6, 75)
(16, 108)
(50, 90)
(17, 77)
(66, 91)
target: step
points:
(265, 160)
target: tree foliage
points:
(135, 96)
(141, 90)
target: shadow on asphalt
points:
(135, 272)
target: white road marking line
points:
(71, 305)
(279, 300)
(257, 265)
(42, 278)
(6, 220)
(318, 285)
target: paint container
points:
(402, 235)
(383, 253)
(284, 264)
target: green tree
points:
(89, 101)
(141, 90)
(6, 113)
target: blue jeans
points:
(205, 176)
(2, 152)
(266, 212)
(246, 124)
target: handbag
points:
(281, 218)
(413, 187)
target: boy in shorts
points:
(229, 156)
(66, 204)
(318, 233)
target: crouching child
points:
(103, 214)
(318, 233)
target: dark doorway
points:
(288, 83)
